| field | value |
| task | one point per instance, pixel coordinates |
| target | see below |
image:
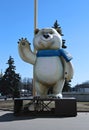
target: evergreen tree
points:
(67, 86)
(10, 80)
(59, 30)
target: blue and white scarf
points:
(51, 53)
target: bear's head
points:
(47, 38)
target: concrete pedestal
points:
(65, 107)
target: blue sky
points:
(17, 20)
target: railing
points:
(80, 96)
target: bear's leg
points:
(57, 88)
(41, 89)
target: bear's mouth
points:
(45, 44)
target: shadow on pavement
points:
(8, 117)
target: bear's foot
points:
(55, 96)
(59, 95)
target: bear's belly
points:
(48, 70)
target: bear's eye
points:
(51, 32)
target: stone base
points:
(65, 107)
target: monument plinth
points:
(38, 106)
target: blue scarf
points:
(50, 53)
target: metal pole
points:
(35, 26)
(35, 14)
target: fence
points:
(82, 97)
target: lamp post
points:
(35, 13)
(35, 26)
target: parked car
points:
(3, 97)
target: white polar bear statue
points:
(51, 63)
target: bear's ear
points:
(36, 31)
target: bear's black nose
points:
(46, 36)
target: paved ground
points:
(9, 122)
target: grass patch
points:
(83, 106)
(9, 105)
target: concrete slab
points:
(10, 122)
